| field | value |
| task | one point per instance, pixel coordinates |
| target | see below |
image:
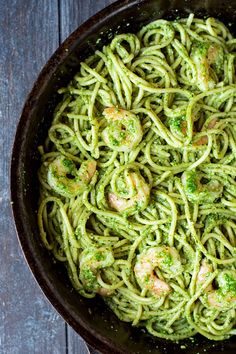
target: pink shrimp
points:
(204, 139)
(136, 203)
(164, 257)
(224, 297)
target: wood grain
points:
(28, 36)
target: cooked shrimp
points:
(124, 131)
(204, 139)
(207, 58)
(91, 260)
(178, 124)
(66, 180)
(164, 257)
(197, 192)
(204, 272)
(224, 297)
(138, 202)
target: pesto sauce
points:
(230, 283)
(191, 182)
(176, 122)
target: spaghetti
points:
(138, 190)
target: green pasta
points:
(137, 180)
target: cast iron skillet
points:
(90, 318)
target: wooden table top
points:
(30, 31)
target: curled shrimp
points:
(91, 260)
(204, 272)
(178, 124)
(124, 131)
(208, 59)
(198, 192)
(136, 203)
(66, 180)
(222, 297)
(204, 139)
(167, 259)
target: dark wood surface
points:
(30, 31)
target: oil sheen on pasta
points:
(138, 190)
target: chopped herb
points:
(230, 283)
(191, 182)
